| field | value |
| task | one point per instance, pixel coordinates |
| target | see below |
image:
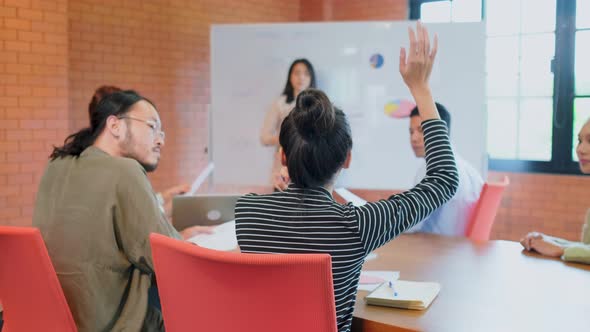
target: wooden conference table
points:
(493, 286)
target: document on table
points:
(223, 237)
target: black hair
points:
(117, 104)
(100, 93)
(442, 111)
(289, 91)
(315, 138)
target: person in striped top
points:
(316, 144)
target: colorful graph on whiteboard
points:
(398, 108)
(376, 60)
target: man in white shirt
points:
(452, 218)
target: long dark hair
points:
(117, 104)
(289, 91)
(316, 139)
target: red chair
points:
(484, 214)
(207, 290)
(30, 291)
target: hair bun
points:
(314, 114)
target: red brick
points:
(33, 168)
(20, 200)
(18, 3)
(54, 17)
(17, 91)
(55, 38)
(8, 34)
(10, 212)
(56, 124)
(45, 134)
(8, 147)
(49, 70)
(56, 103)
(18, 69)
(30, 36)
(7, 57)
(17, 23)
(44, 48)
(27, 211)
(44, 92)
(17, 135)
(19, 157)
(7, 12)
(16, 113)
(32, 124)
(44, 5)
(21, 46)
(33, 15)
(8, 79)
(33, 146)
(8, 169)
(44, 114)
(8, 124)
(79, 6)
(30, 58)
(8, 101)
(30, 101)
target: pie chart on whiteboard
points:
(398, 108)
(376, 60)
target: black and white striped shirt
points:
(308, 220)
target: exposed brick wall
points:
(353, 10)
(552, 204)
(161, 49)
(33, 98)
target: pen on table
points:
(393, 288)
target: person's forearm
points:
(425, 102)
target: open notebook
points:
(414, 295)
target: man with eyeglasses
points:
(164, 197)
(96, 208)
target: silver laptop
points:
(206, 210)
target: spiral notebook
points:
(415, 295)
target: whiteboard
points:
(249, 66)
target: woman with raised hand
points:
(316, 144)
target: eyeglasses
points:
(152, 124)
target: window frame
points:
(563, 70)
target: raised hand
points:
(416, 66)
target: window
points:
(581, 70)
(532, 124)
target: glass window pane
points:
(502, 54)
(502, 66)
(466, 11)
(501, 85)
(502, 127)
(581, 115)
(582, 69)
(538, 15)
(433, 12)
(536, 78)
(535, 129)
(583, 14)
(502, 17)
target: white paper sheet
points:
(223, 237)
(350, 197)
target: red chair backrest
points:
(31, 295)
(484, 214)
(207, 290)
